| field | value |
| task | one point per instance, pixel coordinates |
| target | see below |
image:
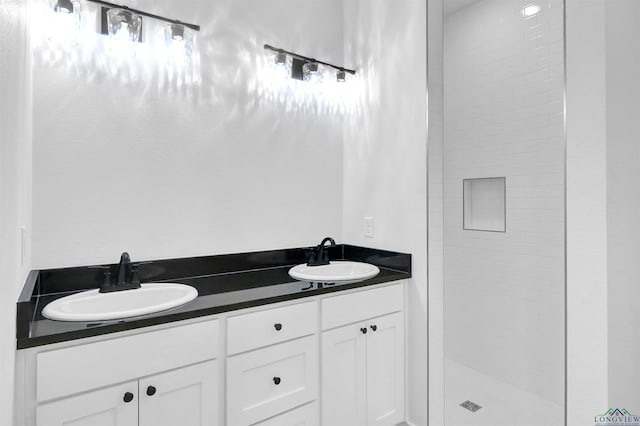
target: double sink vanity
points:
(243, 344)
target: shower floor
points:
(502, 404)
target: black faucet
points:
(126, 277)
(320, 254)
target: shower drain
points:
(471, 406)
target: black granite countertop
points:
(224, 283)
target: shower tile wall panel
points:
(504, 293)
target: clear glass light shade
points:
(279, 65)
(312, 72)
(64, 25)
(124, 28)
(179, 43)
(280, 59)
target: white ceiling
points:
(451, 6)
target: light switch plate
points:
(368, 226)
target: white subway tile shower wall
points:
(504, 292)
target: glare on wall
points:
(531, 10)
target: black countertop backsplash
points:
(224, 283)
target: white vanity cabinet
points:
(385, 370)
(333, 359)
(363, 361)
(307, 415)
(279, 370)
(167, 377)
(185, 397)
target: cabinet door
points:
(343, 376)
(112, 406)
(187, 397)
(385, 370)
(307, 415)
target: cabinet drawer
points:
(307, 415)
(269, 381)
(90, 366)
(264, 328)
(361, 305)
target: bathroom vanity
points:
(254, 348)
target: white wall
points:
(623, 201)
(602, 207)
(15, 183)
(586, 212)
(214, 161)
(504, 292)
(385, 153)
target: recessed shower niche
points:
(484, 204)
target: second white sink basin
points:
(92, 305)
(339, 272)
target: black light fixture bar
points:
(305, 58)
(147, 14)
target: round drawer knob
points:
(364, 330)
(277, 326)
(151, 390)
(374, 327)
(128, 397)
(277, 380)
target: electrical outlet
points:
(368, 226)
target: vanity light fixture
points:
(306, 68)
(177, 31)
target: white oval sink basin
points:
(339, 272)
(95, 306)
